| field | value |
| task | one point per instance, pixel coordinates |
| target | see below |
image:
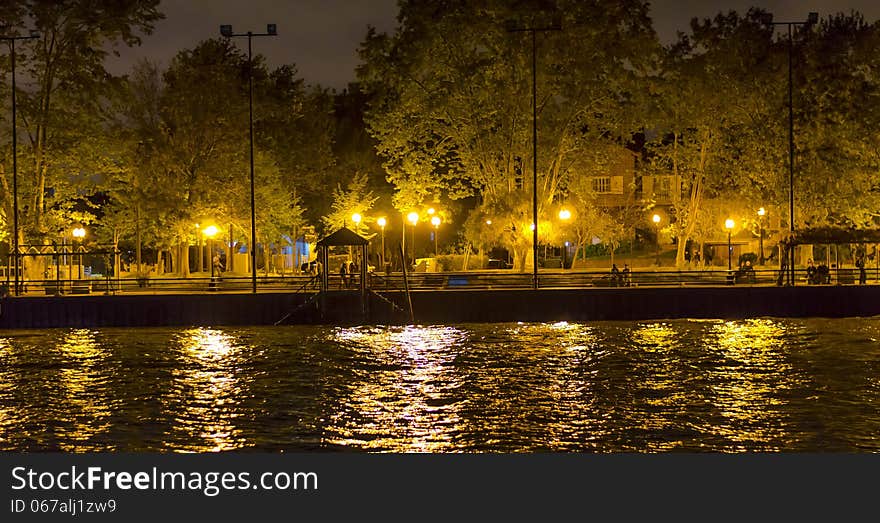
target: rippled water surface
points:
(723, 386)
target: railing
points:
(379, 282)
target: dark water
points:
(721, 386)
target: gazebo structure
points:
(344, 237)
(831, 236)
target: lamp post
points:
(413, 218)
(656, 220)
(534, 30)
(729, 224)
(79, 233)
(226, 31)
(15, 257)
(435, 221)
(382, 222)
(564, 215)
(761, 213)
(812, 18)
(209, 233)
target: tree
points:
(62, 100)
(710, 112)
(354, 198)
(451, 97)
(837, 157)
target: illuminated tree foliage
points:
(452, 97)
(63, 88)
(838, 114)
(195, 140)
(710, 114)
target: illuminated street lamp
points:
(356, 219)
(226, 32)
(382, 222)
(729, 225)
(564, 215)
(656, 220)
(79, 233)
(209, 232)
(435, 221)
(761, 213)
(413, 218)
(15, 257)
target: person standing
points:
(812, 276)
(863, 275)
(343, 270)
(352, 268)
(626, 275)
(615, 275)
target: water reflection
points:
(750, 382)
(205, 391)
(404, 403)
(708, 385)
(88, 401)
(7, 392)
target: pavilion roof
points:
(343, 236)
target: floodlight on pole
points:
(812, 19)
(226, 32)
(15, 232)
(513, 27)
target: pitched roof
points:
(343, 236)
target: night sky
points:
(321, 36)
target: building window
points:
(663, 187)
(602, 185)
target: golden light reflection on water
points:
(84, 380)
(420, 364)
(722, 386)
(7, 387)
(208, 387)
(748, 385)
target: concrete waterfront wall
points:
(459, 306)
(645, 303)
(146, 310)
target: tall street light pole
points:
(812, 19)
(729, 224)
(534, 30)
(15, 258)
(761, 213)
(226, 31)
(382, 222)
(656, 220)
(435, 221)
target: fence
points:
(487, 279)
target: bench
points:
(80, 287)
